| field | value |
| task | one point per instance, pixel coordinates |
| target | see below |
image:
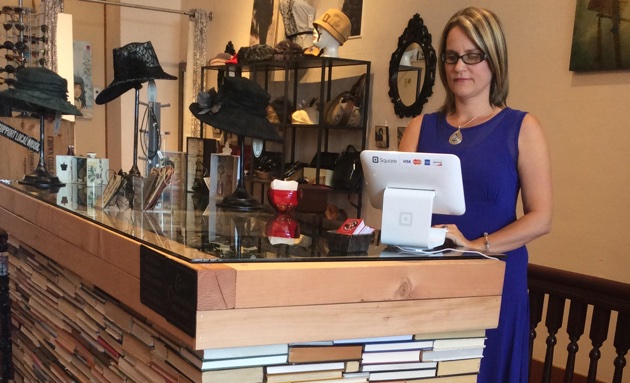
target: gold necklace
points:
(456, 137)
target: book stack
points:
(394, 358)
(5, 310)
(457, 354)
(64, 330)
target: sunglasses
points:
(36, 39)
(8, 45)
(20, 46)
(8, 68)
(8, 81)
(9, 10)
(36, 52)
(12, 57)
(20, 26)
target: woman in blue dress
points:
(503, 153)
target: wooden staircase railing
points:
(580, 291)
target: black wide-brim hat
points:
(240, 107)
(39, 90)
(134, 64)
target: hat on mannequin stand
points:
(43, 92)
(134, 64)
(331, 31)
(239, 107)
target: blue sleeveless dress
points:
(488, 154)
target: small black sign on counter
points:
(169, 288)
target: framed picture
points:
(601, 36)
(354, 10)
(83, 89)
(381, 137)
(263, 25)
(198, 152)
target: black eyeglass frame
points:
(465, 58)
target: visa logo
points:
(407, 161)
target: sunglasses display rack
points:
(23, 40)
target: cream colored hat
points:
(336, 23)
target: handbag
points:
(348, 173)
(345, 108)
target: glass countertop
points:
(191, 227)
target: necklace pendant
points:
(456, 137)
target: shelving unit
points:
(292, 79)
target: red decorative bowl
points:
(283, 200)
(282, 226)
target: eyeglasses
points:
(468, 58)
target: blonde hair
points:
(484, 28)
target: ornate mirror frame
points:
(416, 32)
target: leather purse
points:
(345, 108)
(348, 173)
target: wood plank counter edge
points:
(271, 302)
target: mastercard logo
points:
(417, 162)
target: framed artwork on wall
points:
(83, 89)
(263, 25)
(381, 137)
(601, 36)
(354, 10)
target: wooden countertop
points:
(242, 304)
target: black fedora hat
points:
(134, 64)
(39, 90)
(240, 107)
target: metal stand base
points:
(41, 178)
(240, 200)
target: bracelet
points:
(485, 235)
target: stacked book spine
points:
(64, 330)
(6, 371)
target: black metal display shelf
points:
(281, 79)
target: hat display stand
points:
(134, 182)
(240, 199)
(135, 171)
(41, 177)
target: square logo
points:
(375, 159)
(405, 218)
